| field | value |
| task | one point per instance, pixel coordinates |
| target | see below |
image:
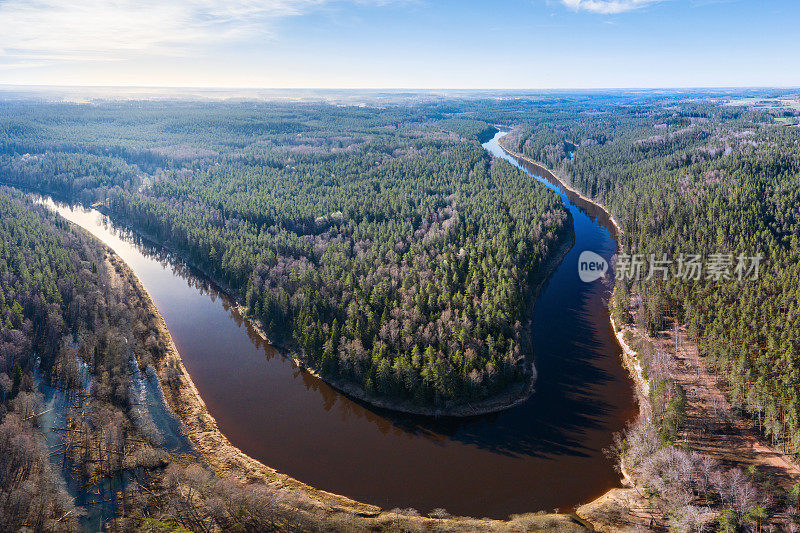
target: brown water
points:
(544, 454)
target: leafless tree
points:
(27, 404)
(439, 514)
(690, 519)
(706, 466)
(5, 386)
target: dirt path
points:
(713, 427)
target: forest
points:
(384, 247)
(381, 246)
(702, 177)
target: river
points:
(546, 453)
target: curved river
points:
(543, 454)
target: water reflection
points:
(543, 454)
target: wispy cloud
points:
(607, 7)
(91, 30)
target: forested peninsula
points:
(386, 253)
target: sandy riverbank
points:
(625, 507)
(185, 401)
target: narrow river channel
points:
(546, 453)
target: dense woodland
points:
(702, 177)
(383, 246)
(32, 317)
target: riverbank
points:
(563, 182)
(626, 507)
(336, 511)
(183, 398)
(631, 361)
(713, 428)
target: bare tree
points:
(690, 519)
(5, 386)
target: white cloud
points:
(91, 30)
(607, 7)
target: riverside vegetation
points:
(704, 178)
(698, 176)
(385, 247)
(388, 253)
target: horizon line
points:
(409, 89)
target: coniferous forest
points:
(381, 245)
(702, 177)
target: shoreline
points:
(565, 184)
(183, 399)
(629, 356)
(631, 361)
(736, 443)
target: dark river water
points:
(546, 453)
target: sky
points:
(420, 44)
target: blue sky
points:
(516, 44)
